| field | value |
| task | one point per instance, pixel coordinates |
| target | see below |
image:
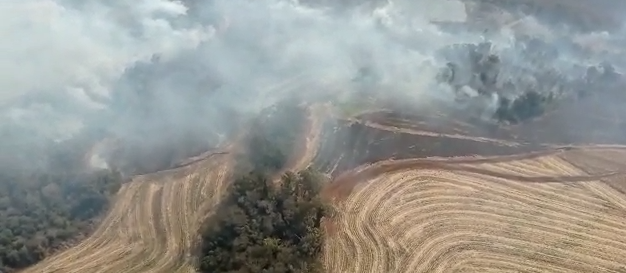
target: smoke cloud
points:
(152, 74)
(61, 58)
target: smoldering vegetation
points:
(154, 82)
(599, 16)
(137, 86)
(523, 80)
(161, 81)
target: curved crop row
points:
(435, 220)
(152, 227)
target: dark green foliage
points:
(261, 227)
(40, 212)
(530, 105)
(47, 197)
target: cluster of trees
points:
(529, 105)
(597, 79)
(525, 90)
(40, 212)
(48, 196)
(262, 226)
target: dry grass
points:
(602, 160)
(435, 220)
(552, 211)
(155, 221)
(310, 140)
(153, 225)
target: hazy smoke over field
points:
(154, 73)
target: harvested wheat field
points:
(152, 227)
(540, 214)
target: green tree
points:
(261, 226)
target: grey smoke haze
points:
(153, 72)
(60, 58)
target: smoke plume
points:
(175, 78)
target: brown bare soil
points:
(346, 145)
(595, 119)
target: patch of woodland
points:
(526, 93)
(262, 226)
(532, 103)
(529, 105)
(45, 208)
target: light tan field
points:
(154, 223)
(152, 226)
(551, 211)
(539, 214)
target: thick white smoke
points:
(154, 70)
(73, 51)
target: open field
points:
(153, 224)
(440, 193)
(348, 144)
(420, 191)
(413, 194)
(517, 215)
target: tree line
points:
(41, 211)
(527, 106)
(262, 227)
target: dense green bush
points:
(48, 197)
(261, 226)
(527, 106)
(40, 212)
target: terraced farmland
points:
(539, 214)
(407, 201)
(152, 226)
(155, 221)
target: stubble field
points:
(407, 200)
(152, 226)
(539, 214)
(413, 193)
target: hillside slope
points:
(152, 226)
(530, 215)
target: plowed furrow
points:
(152, 226)
(480, 218)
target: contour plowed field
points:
(539, 214)
(152, 226)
